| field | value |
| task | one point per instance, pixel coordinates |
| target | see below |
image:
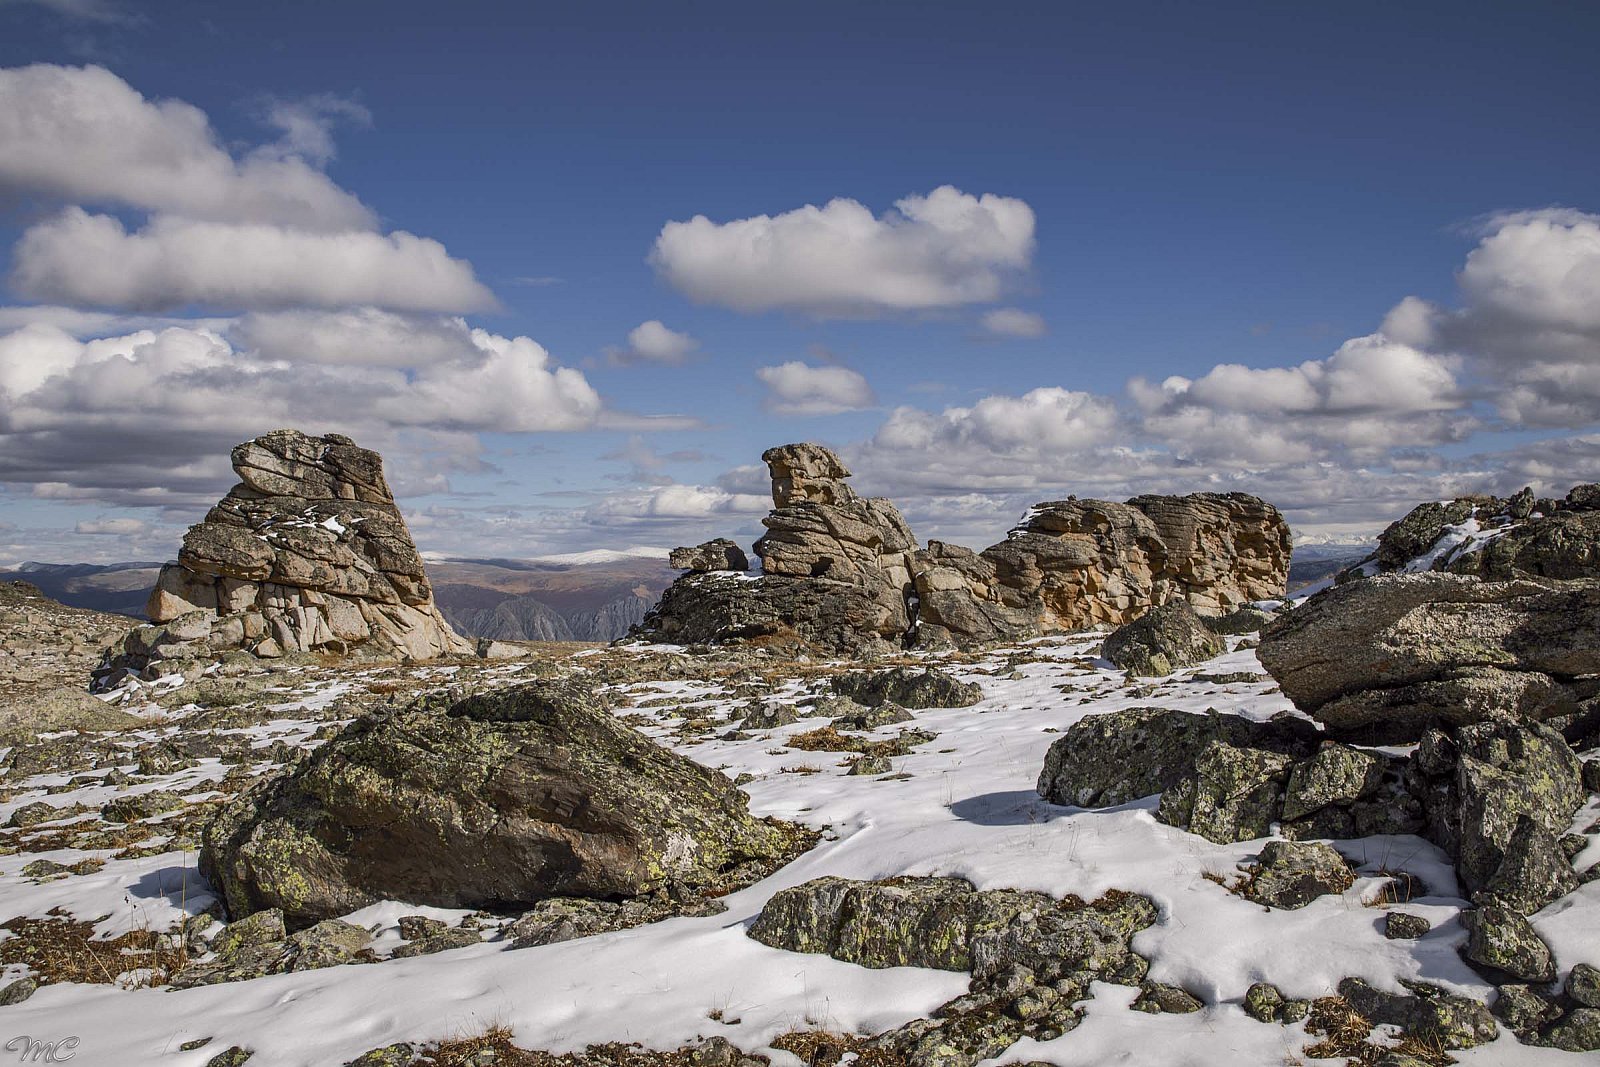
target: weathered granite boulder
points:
(1121, 756)
(719, 554)
(1162, 640)
(908, 687)
(307, 553)
(1491, 791)
(1074, 564)
(1384, 658)
(795, 615)
(500, 800)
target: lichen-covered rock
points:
(1525, 1010)
(1533, 871)
(1503, 941)
(908, 687)
(307, 553)
(1577, 1031)
(1427, 1012)
(719, 554)
(945, 924)
(1498, 539)
(1385, 658)
(1234, 794)
(258, 945)
(1401, 926)
(1479, 783)
(1156, 999)
(1121, 756)
(1583, 985)
(1161, 641)
(500, 800)
(1263, 1002)
(567, 918)
(798, 615)
(1291, 874)
(1336, 774)
(873, 718)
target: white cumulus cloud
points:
(80, 258)
(1013, 322)
(942, 250)
(653, 342)
(797, 388)
(83, 135)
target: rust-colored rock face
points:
(1074, 564)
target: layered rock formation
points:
(499, 800)
(307, 553)
(845, 573)
(1073, 564)
(836, 568)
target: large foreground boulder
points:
(500, 800)
(1384, 658)
(307, 553)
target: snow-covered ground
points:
(966, 807)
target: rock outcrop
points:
(1074, 564)
(47, 651)
(836, 568)
(1031, 957)
(1384, 658)
(500, 800)
(844, 573)
(1495, 796)
(1497, 539)
(307, 553)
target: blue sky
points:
(1141, 190)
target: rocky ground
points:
(943, 913)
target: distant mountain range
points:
(582, 596)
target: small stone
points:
(1428, 1012)
(399, 1055)
(1263, 1002)
(1292, 874)
(136, 806)
(1502, 940)
(907, 687)
(871, 765)
(261, 928)
(34, 814)
(1402, 926)
(767, 715)
(234, 1056)
(1578, 1031)
(18, 991)
(1525, 1010)
(199, 1042)
(418, 927)
(1583, 985)
(1156, 998)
